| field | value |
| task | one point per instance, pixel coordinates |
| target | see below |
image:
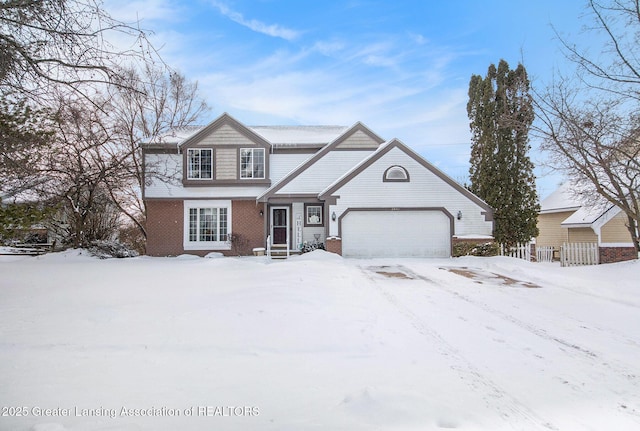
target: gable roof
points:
(384, 149)
(225, 119)
(299, 136)
(562, 199)
(358, 127)
(587, 216)
(566, 199)
(277, 136)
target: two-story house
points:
(287, 185)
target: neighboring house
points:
(563, 219)
(291, 185)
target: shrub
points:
(476, 249)
(310, 246)
(109, 249)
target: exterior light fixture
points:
(459, 215)
(333, 216)
(261, 213)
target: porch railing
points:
(269, 246)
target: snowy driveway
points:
(317, 342)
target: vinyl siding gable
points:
(615, 230)
(358, 140)
(426, 189)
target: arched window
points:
(396, 174)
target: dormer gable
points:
(225, 152)
(225, 130)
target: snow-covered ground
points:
(317, 342)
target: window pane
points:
(314, 215)
(245, 163)
(199, 163)
(193, 163)
(396, 173)
(206, 164)
(207, 224)
(193, 224)
(258, 163)
(223, 224)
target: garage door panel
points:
(419, 233)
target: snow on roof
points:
(276, 135)
(175, 135)
(291, 135)
(583, 216)
(563, 199)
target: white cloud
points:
(143, 10)
(273, 30)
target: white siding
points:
(324, 171)
(425, 189)
(282, 164)
(170, 166)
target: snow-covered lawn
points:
(317, 343)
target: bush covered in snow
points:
(109, 249)
(311, 246)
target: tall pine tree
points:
(501, 113)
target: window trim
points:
(188, 165)
(306, 214)
(188, 244)
(386, 179)
(264, 164)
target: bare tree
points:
(78, 164)
(160, 100)
(45, 43)
(618, 23)
(590, 124)
(597, 145)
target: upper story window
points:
(252, 163)
(199, 164)
(396, 174)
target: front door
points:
(279, 225)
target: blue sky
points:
(401, 67)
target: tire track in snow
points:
(620, 370)
(508, 407)
(540, 332)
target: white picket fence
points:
(544, 253)
(579, 253)
(519, 251)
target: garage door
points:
(415, 233)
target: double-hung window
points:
(252, 163)
(199, 164)
(208, 225)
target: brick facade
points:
(165, 227)
(247, 222)
(617, 254)
(334, 245)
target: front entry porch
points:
(294, 227)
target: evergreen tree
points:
(501, 113)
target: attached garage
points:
(396, 232)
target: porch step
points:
(281, 252)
